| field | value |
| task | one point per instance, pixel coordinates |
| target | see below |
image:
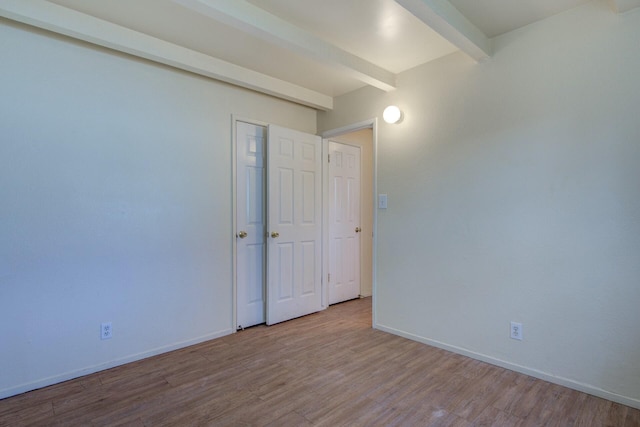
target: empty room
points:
(336, 212)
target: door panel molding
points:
(294, 218)
(344, 222)
(249, 224)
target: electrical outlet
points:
(516, 331)
(106, 331)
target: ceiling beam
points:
(447, 21)
(253, 20)
(61, 20)
(622, 6)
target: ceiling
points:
(496, 17)
(315, 49)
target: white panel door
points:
(294, 221)
(250, 223)
(344, 222)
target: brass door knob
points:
(275, 234)
(358, 229)
(242, 234)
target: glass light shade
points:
(392, 114)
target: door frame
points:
(326, 135)
(234, 224)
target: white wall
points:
(363, 138)
(514, 194)
(115, 205)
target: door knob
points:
(275, 234)
(358, 229)
(242, 234)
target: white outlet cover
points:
(516, 331)
(382, 201)
(106, 331)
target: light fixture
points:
(392, 114)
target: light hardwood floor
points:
(326, 369)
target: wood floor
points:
(327, 369)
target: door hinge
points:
(329, 278)
(329, 158)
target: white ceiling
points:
(496, 17)
(324, 47)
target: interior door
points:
(250, 222)
(344, 222)
(294, 221)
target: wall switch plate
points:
(106, 331)
(382, 201)
(516, 331)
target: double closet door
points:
(278, 224)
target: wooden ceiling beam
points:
(253, 20)
(447, 21)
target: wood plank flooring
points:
(326, 369)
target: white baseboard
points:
(566, 382)
(23, 388)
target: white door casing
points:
(344, 222)
(251, 147)
(294, 219)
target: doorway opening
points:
(252, 218)
(362, 135)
